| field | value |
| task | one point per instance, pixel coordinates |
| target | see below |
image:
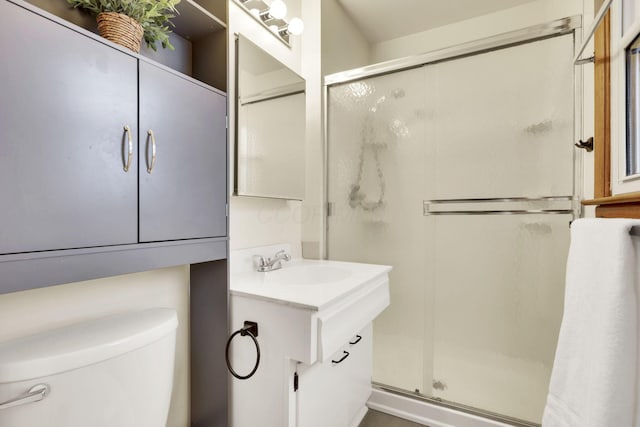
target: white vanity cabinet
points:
(315, 336)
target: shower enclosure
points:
(458, 169)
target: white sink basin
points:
(308, 284)
(307, 275)
(317, 306)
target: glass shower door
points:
(375, 133)
(498, 204)
(460, 174)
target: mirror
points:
(270, 126)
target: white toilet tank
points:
(114, 371)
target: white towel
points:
(594, 377)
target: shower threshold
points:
(436, 412)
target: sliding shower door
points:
(376, 170)
(460, 174)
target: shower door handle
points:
(35, 394)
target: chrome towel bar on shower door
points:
(500, 206)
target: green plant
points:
(153, 15)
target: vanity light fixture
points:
(278, 9)
(296, 26)
(272, 16)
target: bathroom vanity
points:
(315, 338)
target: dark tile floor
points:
(378, 419)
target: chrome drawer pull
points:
(346, 354)
(35, 394)
(357, 340)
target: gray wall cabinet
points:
(180, 197)
(69, 118)
(65, 100)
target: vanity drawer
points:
(336, 325)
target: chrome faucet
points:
(264, 264)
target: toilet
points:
(107, 372)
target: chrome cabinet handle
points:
(35, 394)
(127, 163)
(152, 163)
(345, 355)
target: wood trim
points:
(619, 199)
(602, 109)
(627, 210)
(620, 206)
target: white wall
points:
(312, 218)
(343, 45)
(29, 312)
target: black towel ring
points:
(250, 329)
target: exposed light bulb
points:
(296, 26)
(273, 28)
(278, 9)
(255, 12)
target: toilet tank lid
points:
(82, 344)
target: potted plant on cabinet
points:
(126, 22)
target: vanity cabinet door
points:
(335, 394)
(358, 370)
(322, 393)
(182, 192)
(64, 102)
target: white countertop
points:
(343, 278)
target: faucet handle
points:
(283, 255)
(260, 261)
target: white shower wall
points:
(476, 300)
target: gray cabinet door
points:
(64, 102)
(184, 196)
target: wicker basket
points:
(120, 29)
